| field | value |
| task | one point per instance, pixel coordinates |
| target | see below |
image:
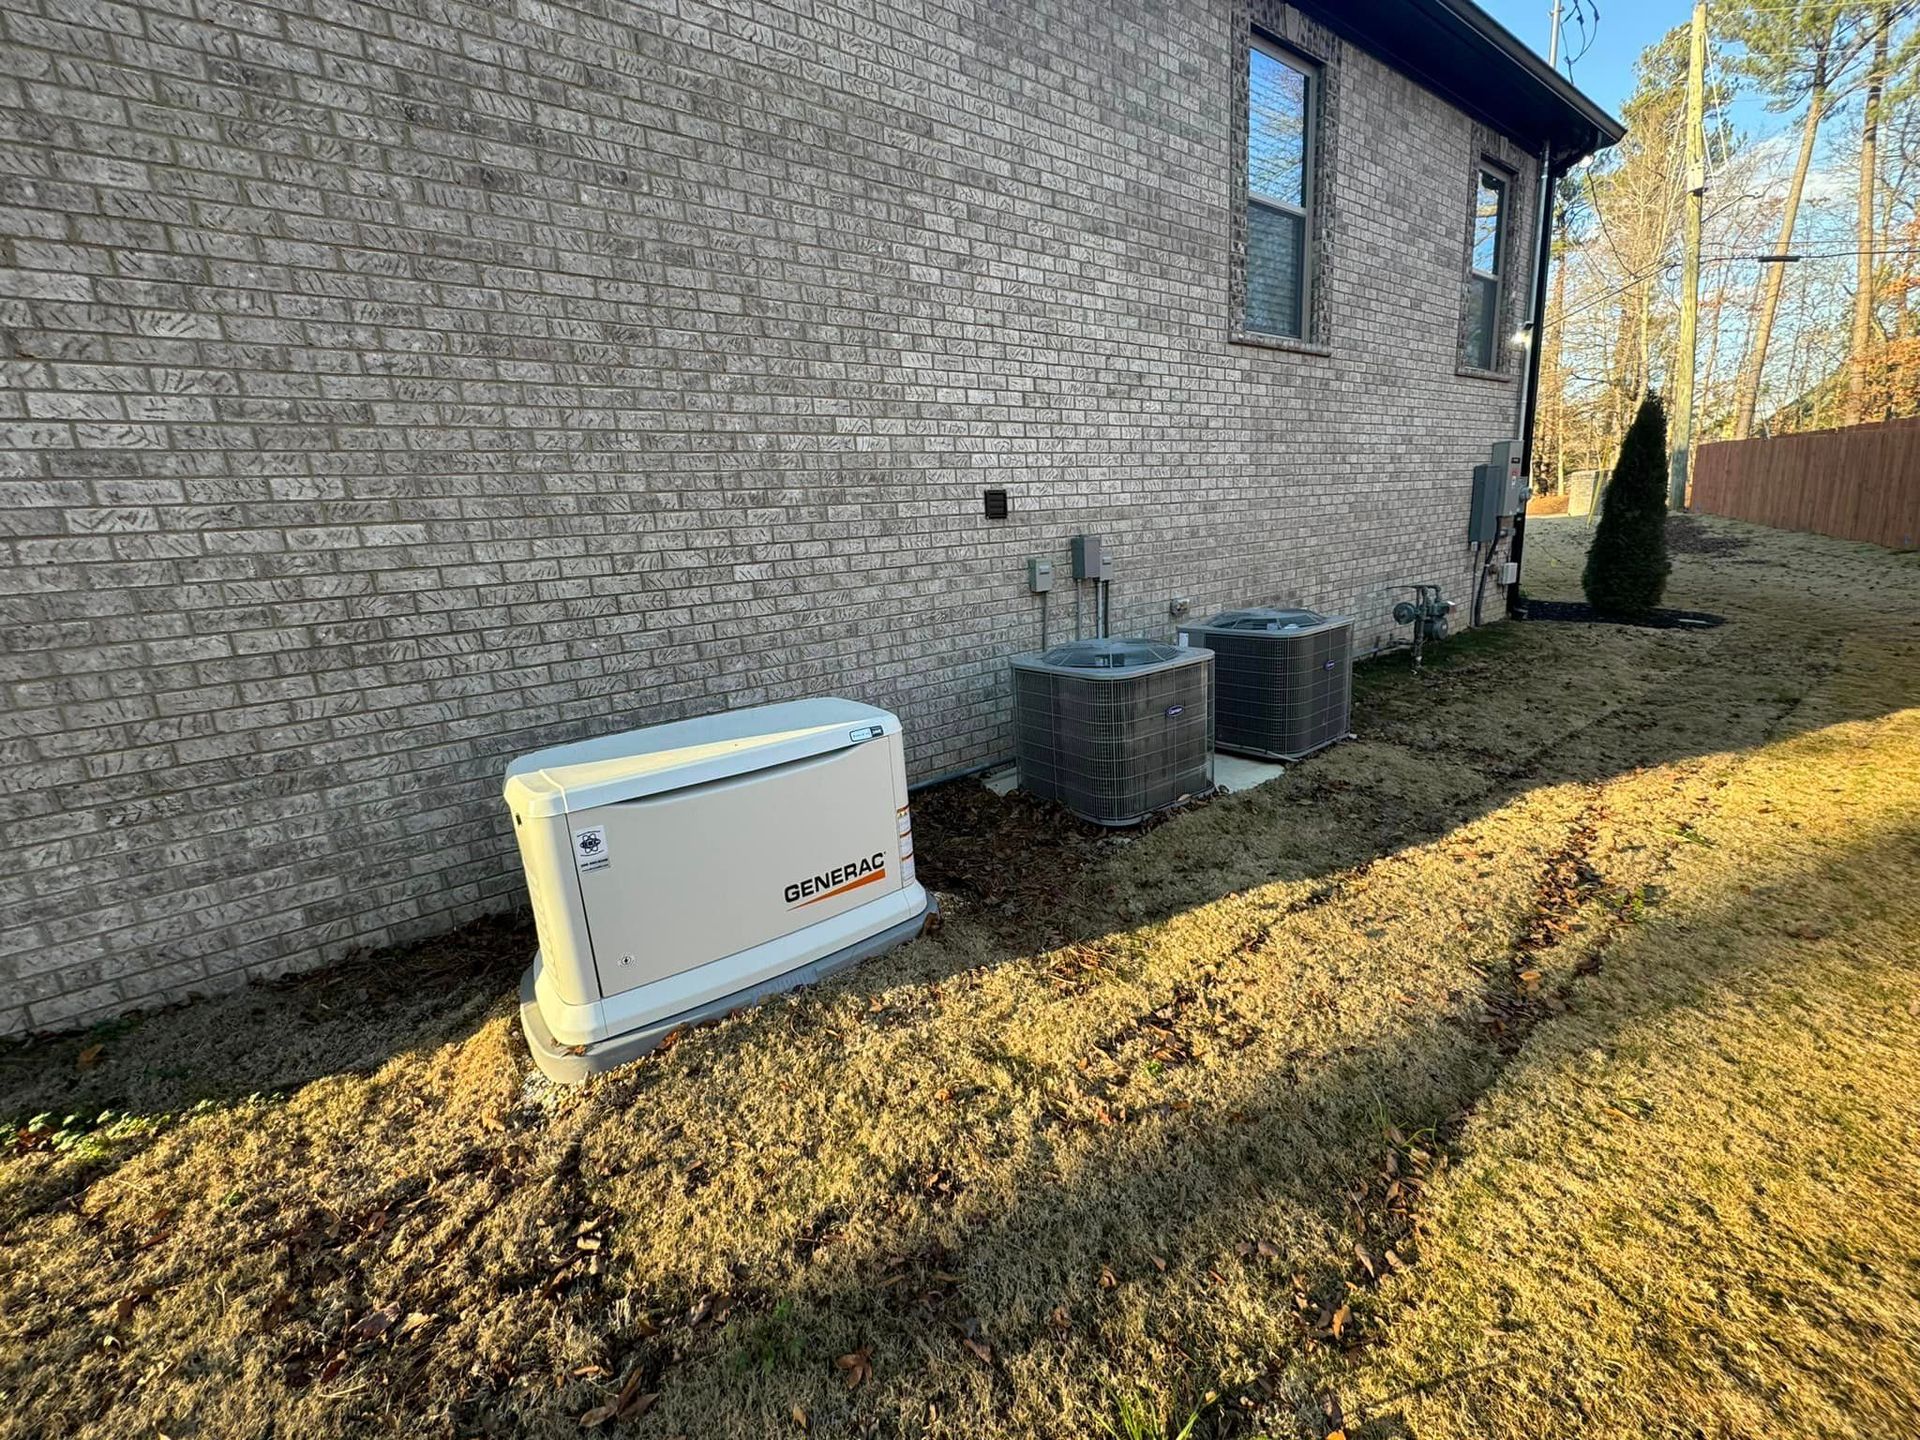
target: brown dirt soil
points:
(1533, 1064)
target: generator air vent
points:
(1114, 729)
(1283, 680)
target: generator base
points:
(571, 1064)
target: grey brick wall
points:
(392, 386)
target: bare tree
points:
(1793, 52)
(1860, 348)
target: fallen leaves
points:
(124, 1307)
(630, 1404)
(374, 1323)
(856, 1367)
(89, 1057)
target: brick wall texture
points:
(394, 386)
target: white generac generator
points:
(680, 871)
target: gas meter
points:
(1427, 612)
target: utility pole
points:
(1684, 360)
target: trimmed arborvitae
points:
(1627, 563)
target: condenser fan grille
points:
(1114, 743)
(1283, 686)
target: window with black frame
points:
(1280, 107)
(1483, 272)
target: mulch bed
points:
(1578, 612)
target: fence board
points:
(1860, 483)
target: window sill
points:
(1469, 372)
(1278, 342)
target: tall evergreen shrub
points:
(1627, 563)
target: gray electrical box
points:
(1506, 459)
(1489, 491)
(1039, 576)
(1089, 557)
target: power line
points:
(1830, 254)
(1660, 267)
(1588, 33)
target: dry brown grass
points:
(1581, 984)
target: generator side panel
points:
(547, 846)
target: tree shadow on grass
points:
(1171, 1223)
(1163, 1204)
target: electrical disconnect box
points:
(1039, 576)
(1483, 519)
(1499, 490)
(1089, 557)
(1506, 459)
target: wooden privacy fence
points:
(1860, 483)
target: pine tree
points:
(1627, 563)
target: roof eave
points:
(1457, 50)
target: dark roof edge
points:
(1522, 55)
(1479, 66)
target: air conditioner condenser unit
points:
(1283, 680)
(683, 870)
(1114, 729)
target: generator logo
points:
(590, 851)
(837, 881)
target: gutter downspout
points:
(1550, 172)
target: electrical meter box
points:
(1499, 490)
(1489, 491)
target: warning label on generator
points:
(590, 849)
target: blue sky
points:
(1625, 28)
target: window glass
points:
(1275, 273)
(1276, 129)
(1487, 222)
(1483, 306)
(1483, 281)
(1279, 191)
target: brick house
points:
(394, 386)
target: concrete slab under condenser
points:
(1238, 772)
(1230, 772)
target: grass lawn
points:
(1543, 1062)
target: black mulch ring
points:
(1578, 612)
